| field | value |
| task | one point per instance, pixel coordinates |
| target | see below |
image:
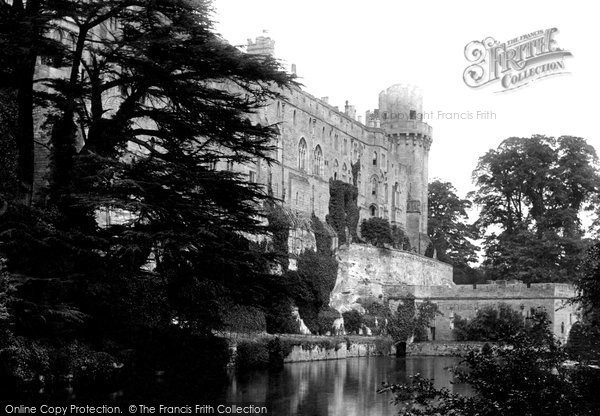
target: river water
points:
(337, 387)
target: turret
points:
(400, 115)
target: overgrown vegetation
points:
(376, 231)
(491, 323)
(343, 209)
(411, 320)
(527, 378)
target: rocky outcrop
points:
(367, 272)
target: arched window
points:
(336, 143)
(294, 118)
(302, 154)
(373, 210)
(318, 161)
(374, 158)
(374, 184)
(336, 167)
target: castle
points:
(318, 142)
(387, 158)
(389, 154)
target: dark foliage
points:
(343, 209)
(376, 231)
(534, 189)
(525, 378)
(352, 321)
(491, 323)
(157, 278)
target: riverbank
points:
(261, 349)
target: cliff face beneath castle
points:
(368, 273)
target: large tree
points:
(531, 192)
(449, 230)
(146, 99)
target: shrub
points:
(376, 231)
(352, 321)
(279, 318)
(490, 324)
(241, 318)
(326, 318)
(252, 355)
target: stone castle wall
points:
(466, 300)
(367, 273)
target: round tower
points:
(401, 115)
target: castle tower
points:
(400, 115)
(263, 45)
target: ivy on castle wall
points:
(343, 209)
(309, 287)
(279, 228)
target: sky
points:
(352, 50)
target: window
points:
(294, 118)
(336, 142)
(318, 161)
(413, 114)
(252, 176)
(230, 165)
(374, 186)
(374, 158)
(302, 154)
(373, 210)
(336, 167)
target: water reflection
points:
(337, 387)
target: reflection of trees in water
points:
(336, 387)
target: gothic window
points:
(373, 209)
(355, 152)
(336, 143)
(336, 167)
(374, 184)
(302, 154)
(318, 161)
(374, 158)
(294, 118)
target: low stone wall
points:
(443, 349)
(340, 350)
(316, 347)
